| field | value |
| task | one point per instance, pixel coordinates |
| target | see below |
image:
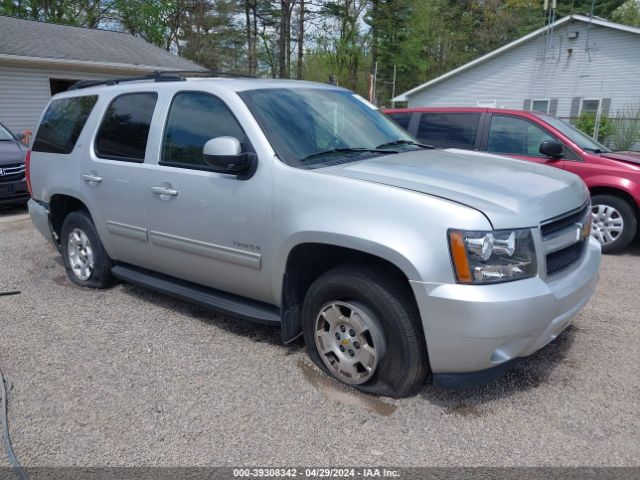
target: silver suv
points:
(300, 205)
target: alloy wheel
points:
(348, 341)
(80, 254)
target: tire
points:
(359, 295)
(79, 235)
(609, 211)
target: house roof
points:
(580, 18)
(35, 41)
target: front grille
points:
(10, 173)
(560, 230)
(554, 226)
(564, 258)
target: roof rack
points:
(158, 76)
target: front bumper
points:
(474, 328)
(13, 192)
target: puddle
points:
(464, 410)
(339, 394)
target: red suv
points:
(613, 178)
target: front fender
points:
(403, 227)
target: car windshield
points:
(581, 139)
(5, 135)
(308, 126)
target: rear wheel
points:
(362, 327)
(84, 257)
(614, 222)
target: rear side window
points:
(402, 119)
(62, 123)
(449, 130)
(125, 127)
(194, 119)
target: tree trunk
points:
(300, 40)
(284, 39)
(247, 13)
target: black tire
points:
(404, 366)
(628, 214)
(100, 276)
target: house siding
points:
(608, 69)
(25, 91)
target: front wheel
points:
(614, 222)
(363, 328)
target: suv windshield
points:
(307, 125)
(5, 135)
(576, 136)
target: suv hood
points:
(10, 152)
(511, 193)
(631, 157)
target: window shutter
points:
(606, 106)
(575, 107)
(527, 104)
(553, 107)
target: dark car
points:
(13, 184)
(613, 178)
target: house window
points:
(589, 105)
(541, 106)
(486, 103)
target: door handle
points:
(163, 190)
(92, 178)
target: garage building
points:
(38, 60)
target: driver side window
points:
(194, 119)
(512, 135)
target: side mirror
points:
(20, 136)
(553, 149)
(224, 155)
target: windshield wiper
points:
(347, 150)
(405, 142)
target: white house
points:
(40, 59)
(574, 65)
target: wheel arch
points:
(306, 261)
(617, 192)
(60, 206)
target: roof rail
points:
(157, 76)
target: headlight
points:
(491, 257)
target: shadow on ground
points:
(530, 373)
(13, 209)
(254, 331)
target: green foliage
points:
(628, 13)
(626, 128)
(587, 121)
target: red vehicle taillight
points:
(27, 168)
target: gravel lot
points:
(128, 377)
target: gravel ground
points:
(128, 377)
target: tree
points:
(86, 13)
(211, 35)
(628, 13)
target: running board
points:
(245, 308)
